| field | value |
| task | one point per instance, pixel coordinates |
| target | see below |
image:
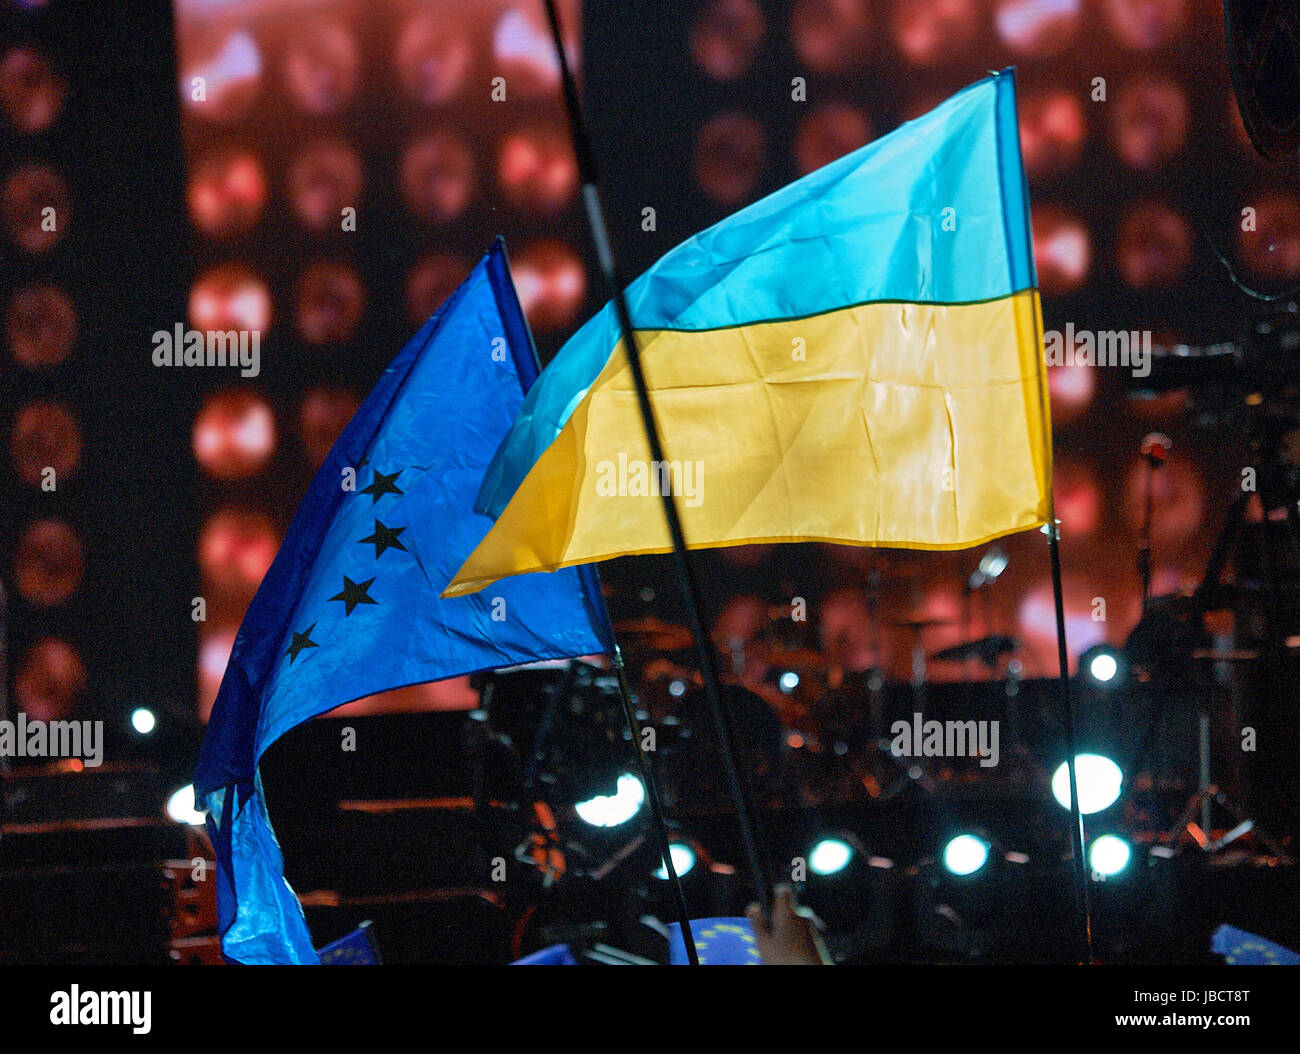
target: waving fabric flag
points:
(351, 606)
(856, 358)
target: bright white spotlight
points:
(180, 807)
(683, 860)
(1102, 667)
(789, 681)
(830, 856)
(1099, 783)
(1109, 855)
(143, 721)
(965, 854)
(610, 810)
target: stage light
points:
(965, 854)
(438, 175)
(324, 179)
(730, 152)
(726, 37)
(830, 856)
(1154, 246)
(1109, 855)
(1102, 665)
(789, 681)
(610, 810)
(50, 680)
(181, 808)
(1062, 249)
(40, 326)
(234, 434)
(31, 93)
(1099, 780)
(48, 563)
(143, 720)
(29, 195)
(683, 857)
(45, 437)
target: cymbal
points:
(920, 623)
(656, 633)
(987, 649)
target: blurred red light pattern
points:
(1071, 388)
(524, 53)
(845, 631)
(828, 133)
(430, 282)
(831, 36)
(324, 179)
(1078, 501)
(1272, 249)
(729, 155)
(331, 300)
(1038, 27)
(40, 326)
(433, 58)
(236, 548)
(28, 192)
(49, 561)
(1052, 131)
(537, 170)
(31, 93)
(934, 32)
(50, 680)
(455, 694)
(1149, 120)
(726, 37)
(552, 284)
(1062, 250)
(234, 434)
(216, 642)
(1154, 246)
(227, 193)
(438, 175)
(322, 416)
(220, 73)
(45, 435)
(1145, 24)
(321, 65)
(230, 296)
(1036, 618)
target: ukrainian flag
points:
(856, 358)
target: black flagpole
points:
(633, 726)
(651, 787)
(1082, 900)
(746, 814)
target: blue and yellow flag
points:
(856, 358)
(350, 606)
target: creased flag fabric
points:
(351, 604)
(856, 358)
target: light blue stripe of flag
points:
(918, 216)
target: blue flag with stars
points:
(718, 942)
(351, 604)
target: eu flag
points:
(351, 604)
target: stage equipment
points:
(1263, 38)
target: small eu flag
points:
(720, 942)
(1240, 948)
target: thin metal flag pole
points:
(633, 725)
(652, 791)
(1082, 900)
(746, 814)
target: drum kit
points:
(814, 709)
